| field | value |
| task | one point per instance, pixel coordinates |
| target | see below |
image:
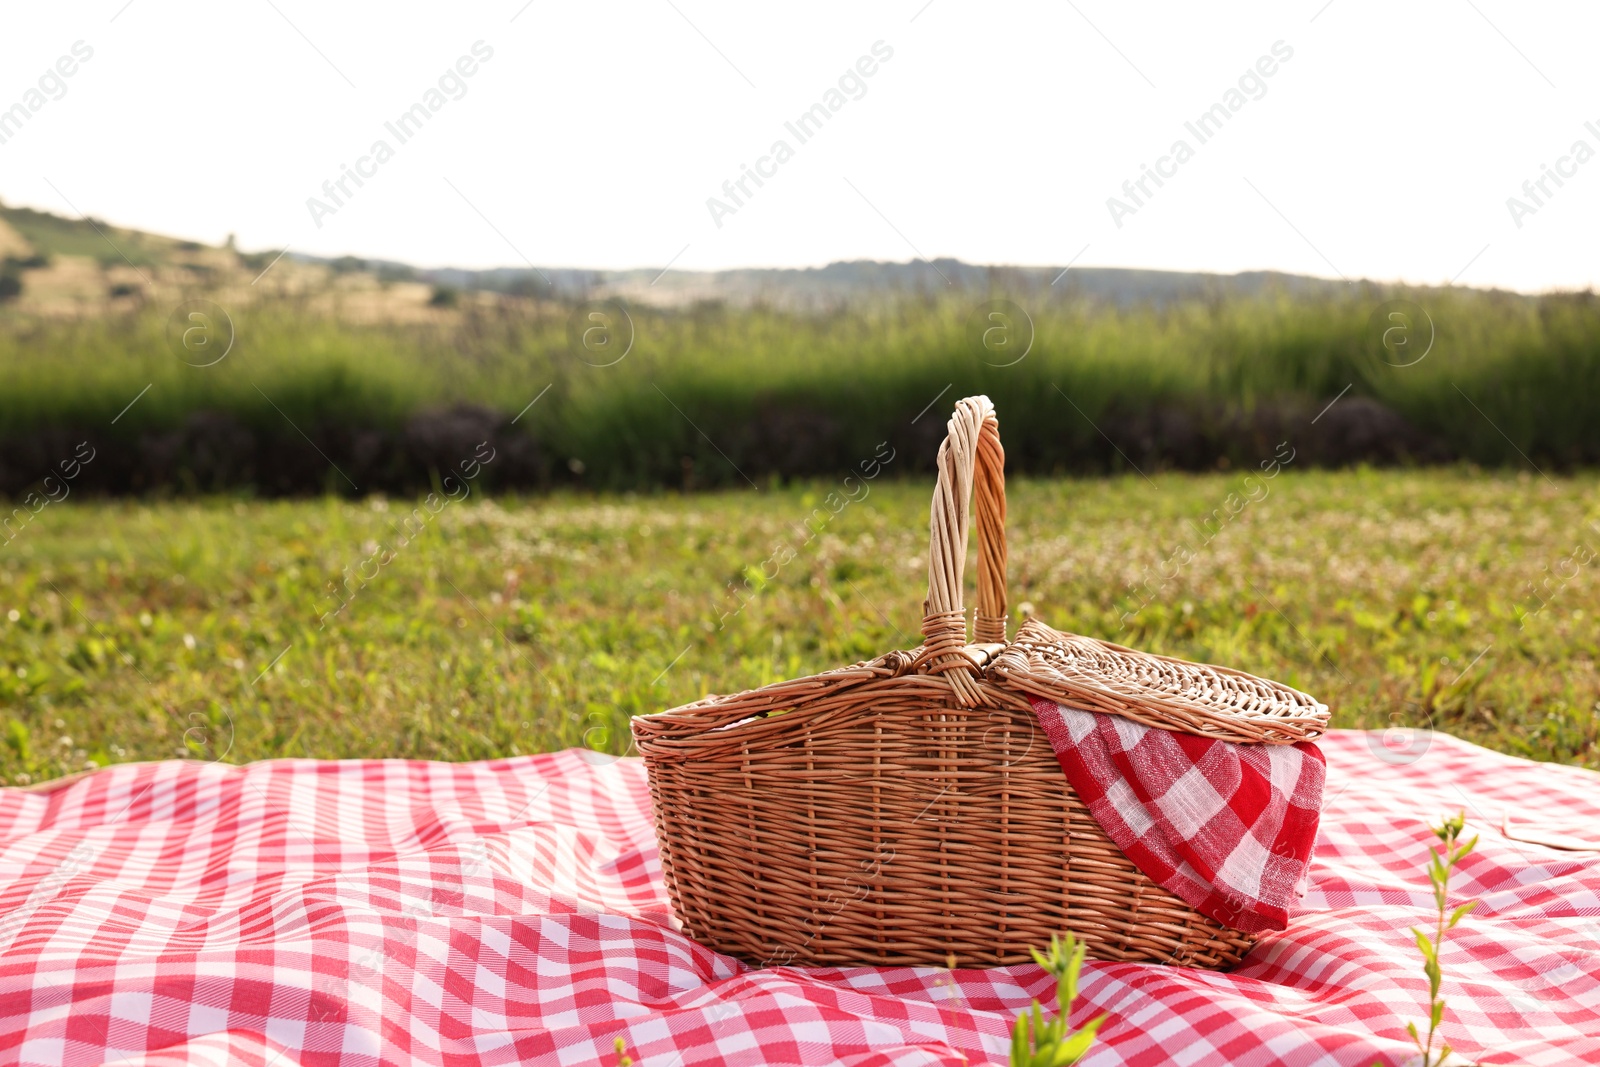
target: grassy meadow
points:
(1449, 599)
(171, 607)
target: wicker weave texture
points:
(875, 821)
(1173, 694)
(899, 811)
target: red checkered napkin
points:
(1227, 828)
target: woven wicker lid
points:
(1173, 694)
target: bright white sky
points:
(1385, 148)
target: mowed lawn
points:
(1448, 600)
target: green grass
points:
(52, 235)
(133, 631)
(1508, 376)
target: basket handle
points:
(971, 466)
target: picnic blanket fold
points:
(1227, 828)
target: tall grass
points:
(731, 389)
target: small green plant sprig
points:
(1440, 863)
(1036, 1042)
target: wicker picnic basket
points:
(909, 808)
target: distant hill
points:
(67, 262)
(845, 282)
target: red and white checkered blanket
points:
(1226, 828)
(363, 913)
